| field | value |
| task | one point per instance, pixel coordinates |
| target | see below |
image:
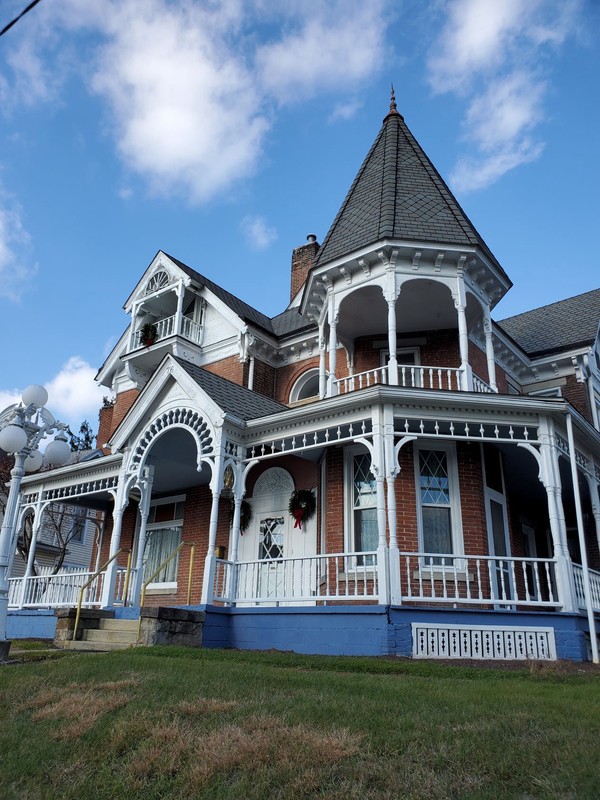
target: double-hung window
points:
(163, 535)
(437, 497)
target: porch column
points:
(550, 478)
(378, 470)
(322, 367)
(582, 543)
(332, 314)
(144, 508)
(391, 471)
(235, 540)
(110, 578)
(390, 296)
(216, 484)
(37, 524)
(463, 345)
(489, 347)
(179, 311)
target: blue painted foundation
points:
(334, 630)
(368, 630)
(31, 624)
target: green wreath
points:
(302, 506)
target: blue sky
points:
(225, 131)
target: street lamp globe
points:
(58, 451)
(33, 461)
(35, 395)
(13, 438)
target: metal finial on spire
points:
(393, 112)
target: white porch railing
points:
(479, 385)
(580, 589)
(62, 590)
(362, 380)
(478, 580)
(188, 329)
(322, 578)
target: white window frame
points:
(350, 534)
(415, 351)
(458, 547)
(300, 383)
(163, 586)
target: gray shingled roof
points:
(563, 325)
(236, 400)
(398, 194)
(290, 322)
(243, 310)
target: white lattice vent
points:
(483, 641)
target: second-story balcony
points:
(414, 376)
(176, 325)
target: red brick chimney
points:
(302, 260)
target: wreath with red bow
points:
(302, 506)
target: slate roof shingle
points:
(563, 325)
(398, 194)
(231, 397)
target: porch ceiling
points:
(173, 457)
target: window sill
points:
(161, 588)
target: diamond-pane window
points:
(434, 483)
(364, 501)
(364, 483)
(271, 538)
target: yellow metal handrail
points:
(89, 581)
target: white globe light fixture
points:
(35, 395)
(33, 461)
(22, 428)
(13, 438)
(57, 453)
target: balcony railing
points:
(166, 327)
(411, 376)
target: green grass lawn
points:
(168, 723)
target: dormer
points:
(167, 314)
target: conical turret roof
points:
(398, 194)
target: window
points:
(408, 356)
(306, 387)
(437, 495)
(163, 535)
(363, 506)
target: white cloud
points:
(16, 270)
(73, 395)
(492, 53)
(258, 234)
(192, 88)
(328, 45)
(345, 111)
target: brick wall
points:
(265, 378)
(577, 394)
(105, 427)
(302, 260)
(123, 403)
(230, 368)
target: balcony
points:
(164, 328)
(413, 376)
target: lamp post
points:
(22, 428)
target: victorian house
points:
(381, 468)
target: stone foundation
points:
(174, 626)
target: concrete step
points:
(102, 647)
(127, 637)
(120, 625)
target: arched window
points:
(306, 387)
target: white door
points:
(272, 548)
